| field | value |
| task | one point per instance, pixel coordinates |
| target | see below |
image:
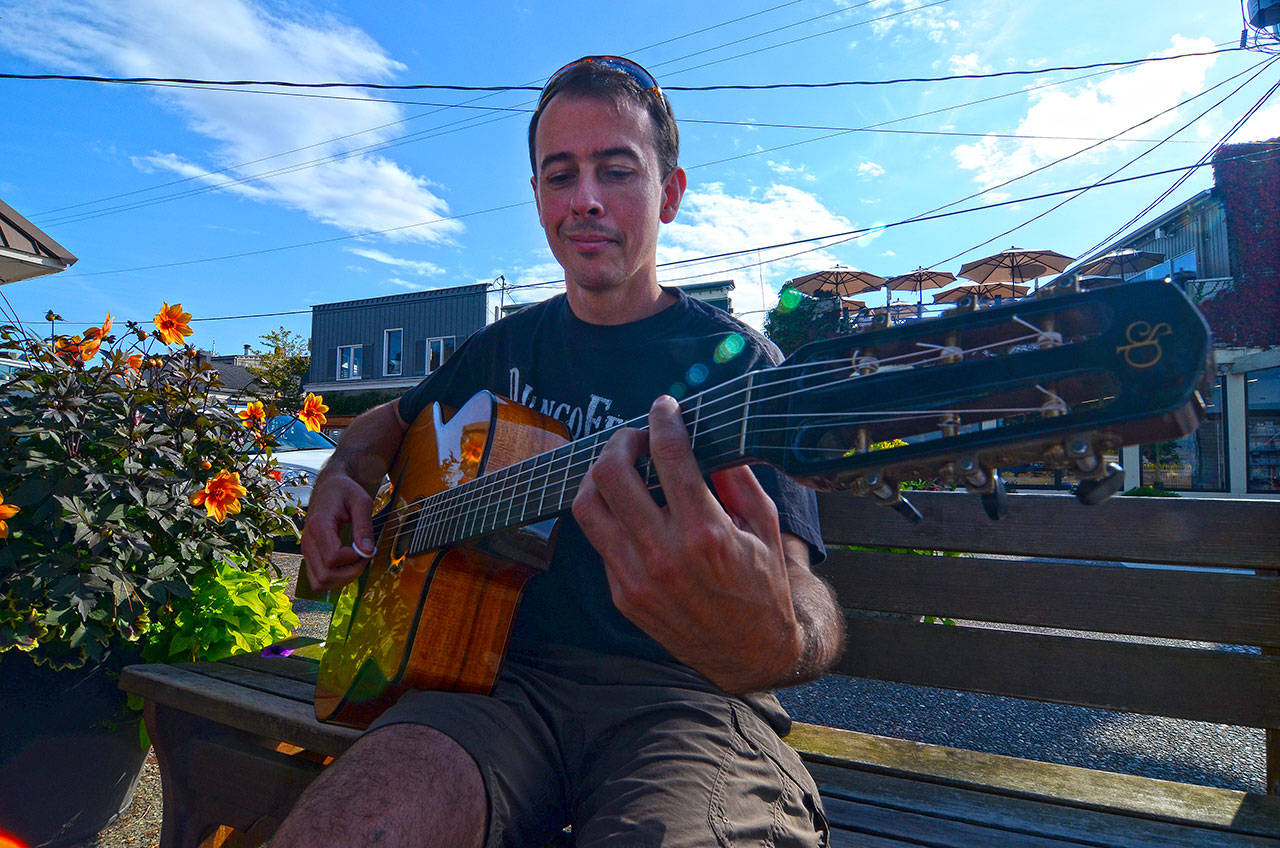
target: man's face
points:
(600, 191)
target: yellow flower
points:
(253, 416)
(7, 511)
(171, 324)
(220, 495)
(312, 414)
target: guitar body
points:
(439, 619)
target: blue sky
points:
(235, 203)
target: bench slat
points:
(933, 831)
(252, 710)
(1235, 609)
(1047, 817)
(1203, 685)
(1178, 531)
(836, 758)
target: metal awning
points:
(27, 251)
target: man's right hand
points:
(340, 498)
(337, 502)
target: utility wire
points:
(917, 219)
(1206, 159)
(1260, 69)
(235, 84)
(442, 130)
(724, 255)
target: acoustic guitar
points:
(1063, 379)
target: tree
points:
(798, 320)
(283, 362)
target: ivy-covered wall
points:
(1247, 180)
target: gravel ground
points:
(1171, 749)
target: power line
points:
(443, 129)
(808, 240)
(1260, 68)
(233, 85)
(916, 219)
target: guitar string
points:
(497, 483)
(502, 481)
(456, 506)
(501, 485)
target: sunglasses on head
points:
(617, 63)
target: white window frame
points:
(441, 339)
(337, 365)
(386, 350)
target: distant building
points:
(233, 369)
(1222, 247)
(380, 346)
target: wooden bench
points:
(237, 742)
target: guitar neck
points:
(544, 486)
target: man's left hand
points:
(709, 580)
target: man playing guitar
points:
(633, 704)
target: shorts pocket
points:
(763, 796)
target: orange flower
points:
(312, 414)
(253, 416)
(99, 332)
(220, 495)
(275, 474)
(135, 362)
(7, 511)
(171, 324)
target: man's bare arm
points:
(340, 497)
(817, 613)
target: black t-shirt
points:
(592, 378)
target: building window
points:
(1262, 428)
(349, 362)
(393, 353)
(1195, 463)
(438, 350)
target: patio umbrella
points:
(982, 291)
(1121, 262)
(1014, 265)
(839, 280)
(917, 281)
(851, 304)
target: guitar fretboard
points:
(544, 486)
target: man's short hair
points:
(594, 79)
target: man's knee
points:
(403, 784)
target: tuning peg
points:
(996, 501)
(1097, 490)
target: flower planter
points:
(69, 751)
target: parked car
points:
(299, 455)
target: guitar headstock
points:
(1059, 380)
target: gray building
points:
(387, 344)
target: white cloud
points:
(870, 170)
(422, 269)
(969, 63)
(786, 169)
(1263, 126)
(712, 221)
(1096, 109)
(361, 192)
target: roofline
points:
(37, 236)
(451, 291)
